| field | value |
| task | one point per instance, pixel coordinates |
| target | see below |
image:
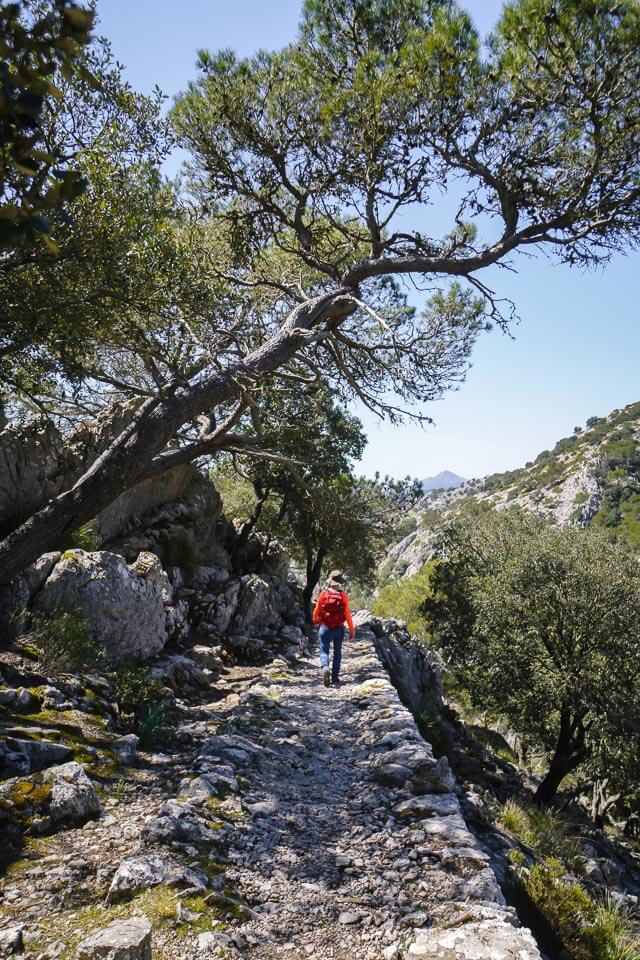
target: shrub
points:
(541, 829)
(141, 701)
(402, 599)
(64, 642)
(590, 930)
(514, 819)
(564, 903)
(84, 538)
(611, 934)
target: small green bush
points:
(141, 701)
(541, 829)
(401, 600)
(514, 819)
(610, 936)
(64, 642)
(84, 538)
(589, 930)
(564, 904)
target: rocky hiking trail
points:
(298, 821)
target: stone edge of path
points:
(482, 927)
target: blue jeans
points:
(328, 634)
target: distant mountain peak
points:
(445, 480)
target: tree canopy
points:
(542, 623)
(289, 251)
(39, 42)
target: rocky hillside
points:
(592, 476)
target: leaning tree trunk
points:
(314, 569)
(568, 755)
(130, 458)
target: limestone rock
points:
(483, 940)
(11, 941)
(428, 805)
(415, 670)
(60, 796)
(144, 871)
(19, 757)
(142, 498)
(254, 604)
(125, 748)
(122, 940)
(29, 466)
(178, 671)
(219, 782)
(124, 605)
(206, 656)
(73, 796)
(221, 611)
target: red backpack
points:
(332, 609)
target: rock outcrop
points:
(122, 940)
(128, 608)
(58, 796)
(416, 672)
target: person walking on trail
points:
(331, 612)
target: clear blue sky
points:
(575, 353)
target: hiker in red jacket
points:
(332, 609)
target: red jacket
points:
(347, 611)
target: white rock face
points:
(428, 805)
(123, 940)
(59, 796)
(142, 872)
(73, 795)
(125, 606)
(491, 939)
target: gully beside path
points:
(341, 836)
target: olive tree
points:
(308, 165)
(543, 624)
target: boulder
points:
(255, 605)
(220, 613)
(125, 748)
(482, 940)
(122, 940)
(11, 941)
(19, 757)
(178, 671)
(60, 796)
(124, 605)
(428, 805)
(219, 782)
(73, 796)
(144, 871)
(207, 657)
(414, 670)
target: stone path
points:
(298, 822)
(335, 860)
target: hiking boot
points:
(336, 681)
(327, 677)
